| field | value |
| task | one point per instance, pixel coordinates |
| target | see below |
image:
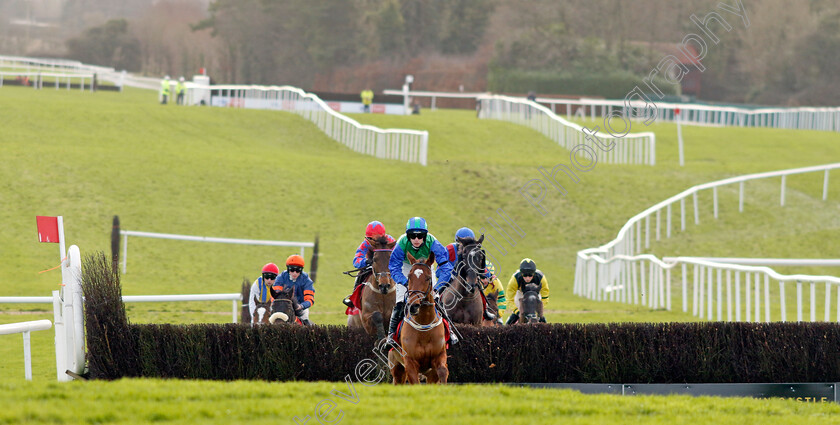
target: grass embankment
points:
(271, 175)
(144, 401)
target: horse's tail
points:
(313, 270)
(245, 315)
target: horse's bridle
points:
(467, 256)
(291, 306)
(387, 273)
(426, 292)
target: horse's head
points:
(531, 303)
(471, 262)
(379, 258)
(283, 307)
(261, 313)
(420, 292)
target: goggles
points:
(294, 269)
(416, 234)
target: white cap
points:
(166, 77)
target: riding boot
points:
(356, 284)
(488, 314)
(453, 339)
(396, 317)
(514, 317)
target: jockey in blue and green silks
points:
(418, 242)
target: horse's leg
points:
(377, 323)
(412, 370)
(439, 365)
(398, 371)
(431, 376)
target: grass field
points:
(271, 175)
(156, 401)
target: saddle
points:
(356, 299)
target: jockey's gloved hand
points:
(437, 297)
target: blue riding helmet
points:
(464, 232)
(416, 223)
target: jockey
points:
(528, 273)
(492, 285)
(452, 250)
(304, 287)
(374, 229)
(418, 242)
(259, 289)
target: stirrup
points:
(453, 339)
(488, 315)
(390, 340)
(347, 302)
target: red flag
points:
(676, 111)
(47, 229)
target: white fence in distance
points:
(25, 328)
(118, 78)
(614, 271)
(127, 233)
(801, 118)
(633, 148)
(399, 144)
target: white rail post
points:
(783, 190)
(799, 301)
(696, 212)
(715, 201)
(825, 186)
(782, 299)
(741, 197)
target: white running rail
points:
(127, 233)
(633, 148)
(398, 144)
(803, 118)
(617, 272)
(25, 328)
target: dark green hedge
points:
(610, 85)
(591, 353)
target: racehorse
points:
(462, 299)
(423, 341)
(492, 304)
(378, 294)
(531, 306)
(284, 306)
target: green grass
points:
(145, 401)
(271, 175)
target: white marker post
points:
(679, 136)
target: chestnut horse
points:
(462, 299)
(423, 335)
(378, 295)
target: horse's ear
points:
(429, 261)
(274, 293)
(411, 258)
(481, 239)
(391, 245)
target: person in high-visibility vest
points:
(367, 99)
(164, 90)
(180, 89)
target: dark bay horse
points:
(531, 306)
(493, 305)
(423, 335)
(280, 310)
(462, 299)
(378, 295)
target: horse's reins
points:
(410, 319)
(387, 273)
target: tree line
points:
(788, 54)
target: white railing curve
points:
(399, 144)
(619, 271)
(632, 148)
